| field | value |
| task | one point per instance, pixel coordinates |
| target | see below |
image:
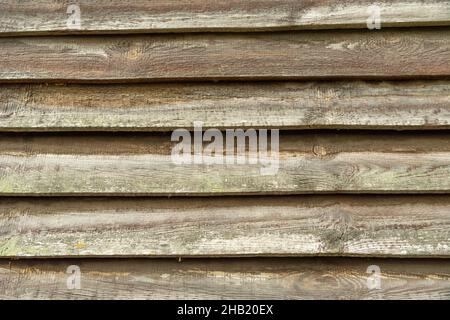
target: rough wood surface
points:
(141, 164)
(400, 226)
(226, 279)
(114, 16)
(407, 53)
(155, 107)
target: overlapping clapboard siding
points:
(339, 278)
(384, 225)
(85, 149)
(287, 105)
(141, 164)
(386, 54)
(35, 17)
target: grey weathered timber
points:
(141, 164)
(226, 279)
(37, 17)
(165, 107)
(396, 226)
(393, 54)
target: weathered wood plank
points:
(164, 107)
(249, 56)
(114, 16)
(141, 164)
(226, 279)
(396, 226)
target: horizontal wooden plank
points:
(39, 17)
(250, 56)
(226, 279)
(396, 226)
(164, 107)
(305, 162)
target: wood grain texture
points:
(141, 164)
(395, 226)
(251, 56)
(226, 279)
(165, 107)
(115, 16)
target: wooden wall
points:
(86, 117)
